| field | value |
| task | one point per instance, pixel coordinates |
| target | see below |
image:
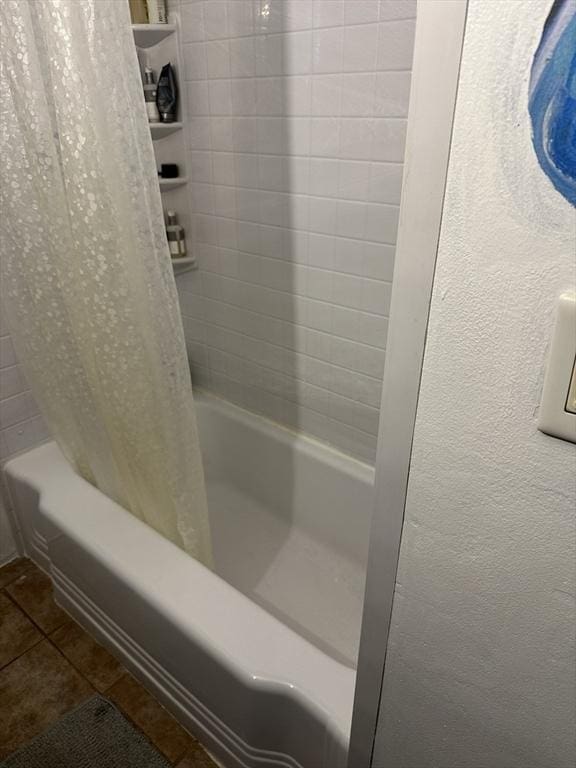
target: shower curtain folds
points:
(87, 283)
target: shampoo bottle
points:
(175, 234)
(138, 12)
(157, 12)
(167, 95)
(150, 96)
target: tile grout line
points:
(9, 563)
(106, 690)
(32, 619)
(23, 610)
(45, 635)
(40, 639)
(128, 717)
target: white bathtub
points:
(259, 659)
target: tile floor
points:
(49, 665)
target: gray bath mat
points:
(95, 735)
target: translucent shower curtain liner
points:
(87, 284)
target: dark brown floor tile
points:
(197, 758)
(158, 725)
(33, 593)
(94, 662)
(35, 690)
(14, 569)
(17, 633)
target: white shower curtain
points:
(87, 283)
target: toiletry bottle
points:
(150, 96)
(169, 171)
(167, 94)
(138, 12)
(176, 239)
(157, 11)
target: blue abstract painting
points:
(552, 100)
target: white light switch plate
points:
(557, 416)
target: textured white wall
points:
(297, 119)
(480, 670)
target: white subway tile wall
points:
(296, 128)
(21, 426)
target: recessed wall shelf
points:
(184, 264)
(167, 184)
(183, 260)
(159, 130)
(147, 35)
(157, 44)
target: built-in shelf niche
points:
(158, 44)
(147, 35)
(161, 130)
(182, 261)
(167, 184)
